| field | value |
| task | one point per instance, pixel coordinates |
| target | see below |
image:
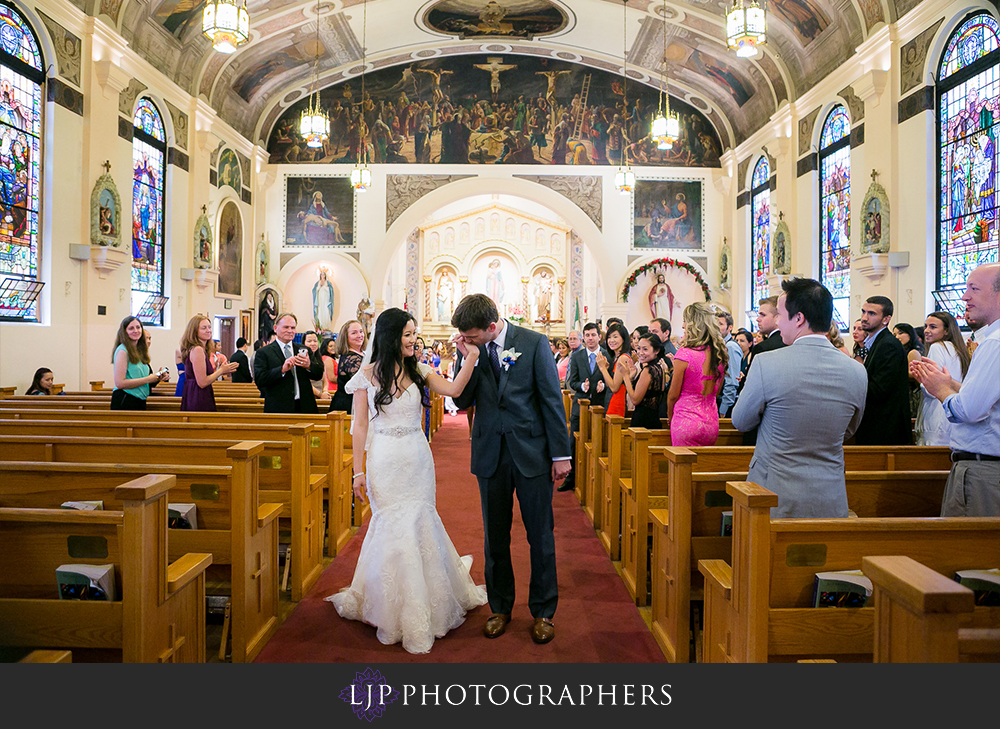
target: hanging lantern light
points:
(226, 24)
(665, 128)
(314, 124)
(625, 177)
(746, 28)
(361, 175)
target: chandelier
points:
(361, 176)
(666, 128)
(225, 24)
(314, 124)
(746, 28)
(625, 177)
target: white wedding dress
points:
(410, 582)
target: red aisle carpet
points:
(596, 621)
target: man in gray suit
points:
(519, 445)
(586, 382)
(807, 399)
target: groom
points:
(520, 445)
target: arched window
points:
(969, 104)
(760, 227)
(149, 152)
(835, 212)
(21, 77)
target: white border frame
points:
(284, 214)
(666, 178)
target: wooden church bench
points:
(607, 484)
(597, 456)
(582, 437)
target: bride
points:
(410, 582)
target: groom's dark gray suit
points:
(519, 427)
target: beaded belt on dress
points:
(399, 430)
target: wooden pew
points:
(161, 614)
(43, 656)
(607, 484)
(101, 401)
(580, 451)
(757, 610)
(285, 477)
(918, 613)
(233, 527)
(597, 455)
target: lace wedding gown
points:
(410, 582)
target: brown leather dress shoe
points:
(496, 624)
(543, 630)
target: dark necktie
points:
(494, 359)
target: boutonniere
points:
(508, 357)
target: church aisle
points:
(596, 621)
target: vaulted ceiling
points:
(807, 39)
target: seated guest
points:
(200, 373)
(242, 360)
(41, 383)
(133, 375)
(798, 455)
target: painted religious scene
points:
(495, 109)
(230, 250)
(319, 211)
(667, 214)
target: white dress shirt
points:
(974, 411)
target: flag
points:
(576, 316)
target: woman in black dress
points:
(350, 349)
(646, 384)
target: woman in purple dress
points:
(198, 371)
(699, 371)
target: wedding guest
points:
(200, 373)
(350, 351)
(41, 383)
(179, 362)
(907, 336)
(618, 344)
(858, 335)
(241, 357)
(133, 375)
(647, 382)
(311, 341)
(946, 348)
(699, 372)
(328, 354)
(562, 359)
(835, 339)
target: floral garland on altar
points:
(668, 263)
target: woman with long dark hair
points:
(946, 347)
(328, 354)
(907, 336)
(41, 383)
(133, 375)
(409, 582)
(618, 343)
(646, 382)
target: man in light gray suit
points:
(806, 399)
(519, 445)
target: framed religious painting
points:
(320, 212)
(105, 213)
(668, 214)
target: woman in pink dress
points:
(699, 371)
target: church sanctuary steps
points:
(329, 439)
(161, 614)
(918, 613)
(757, 610)
(285, 477)
(687, 528)
(239, 533)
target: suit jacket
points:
(579, 372)
(242, 373)
(887, 418)
(277, 387)
(798, 455)
(525, 406)
(770, 343)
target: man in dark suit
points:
(767, 324)
(519, 445)
(586, 381)
(282, 371)
(242, 373)
(887, 406)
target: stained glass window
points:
(835, 212)
(969, 109)
(148, 155)
(21, 78)
(760, 231)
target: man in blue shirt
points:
(727, 398)
(973, 407)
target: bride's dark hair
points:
(387, 354)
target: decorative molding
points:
(68, 49)
(125, 129)
(105, 212)
(743, 199)
(809, 163)
(412, 270)
(107, 260)
(204, 278)
(401, 191)
(915, 103)
(806, 125)
(584, 191)
(177, 158)
(66, 96)
(855, 104)
(872, 265)
(913, 57)
(741, 173)
(857, 135)
(872, 84)
(128, 91)
(875, 220)
(575, 279)
(180, 120)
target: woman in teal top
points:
(133, 375)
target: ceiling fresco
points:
(254, 87)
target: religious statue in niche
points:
(875, 219)
(781, 262)
(267, 312)
(365, 313)
(105, 212)
(544, 286)
(661, 299)
(261, 269)
(725, 265)
(202, 242)
(445, 294)
(322, 298)
(494, 282)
